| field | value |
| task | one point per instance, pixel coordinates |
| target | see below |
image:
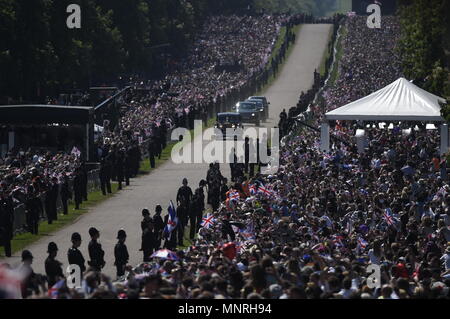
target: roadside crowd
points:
(311, 230)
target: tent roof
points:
(400, 101)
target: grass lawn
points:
(326, 54)
(23, 240)
(340, 51)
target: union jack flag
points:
(233, 195)
(388, 216)
(172, 221)
(362, 243)
(252, 188)
(265, 190)
(208, 221)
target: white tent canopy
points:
(399, 101)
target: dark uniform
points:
(65, 194)
(158, 225)
(148, 237)
(53, 268)
(121, 254)
(105, 176)
(152, 151)
(119, 168)
(195, 212)
(34, 210)
(6, 223)
(78, 189)
(75, 257)
(96, 254)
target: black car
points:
(249, 111)
(228, 120)
(261, 108)
(265, 103)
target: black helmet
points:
(121, 234)
(93, 231)
(185, 181)
(76, 237)
(26, 254)
(52, 247)
(145, 212)
(158, 208)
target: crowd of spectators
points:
(311, 230)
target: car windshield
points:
(229, 119)
(247, 106)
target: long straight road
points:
(123, 211)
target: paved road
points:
(123, 210)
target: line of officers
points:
(190, 209)
(39, 200)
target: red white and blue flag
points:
(234, 195)
(388, 217)
(54, 291)
(265, 190)
(172, 221)
(252, 189)
(208, 221)
(362, 243)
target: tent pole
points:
(325, 137)
(444, 138)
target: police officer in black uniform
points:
(158, 225)
(184, 198)
(148, 236)
(96, 253)
(53, 267)
(78, 189)
(119, 167)
(75, 257)
(121, 253)
(34, 210)
(105, 175)
(6, 223)
(152, 151)
(65, 194)
(195, 211)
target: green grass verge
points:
(340, 51)
(21, 241)
(327, 53)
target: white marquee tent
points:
(399, 101)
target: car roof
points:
(257, 97)
(228, 114)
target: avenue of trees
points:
(425, 43)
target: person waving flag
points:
(172, 220)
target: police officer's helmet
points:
(52, 247)
(158, 208)
(76, 237)
(26, 255)
(121, 234)
(93, 231)
(145, 212)
(185, 181)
